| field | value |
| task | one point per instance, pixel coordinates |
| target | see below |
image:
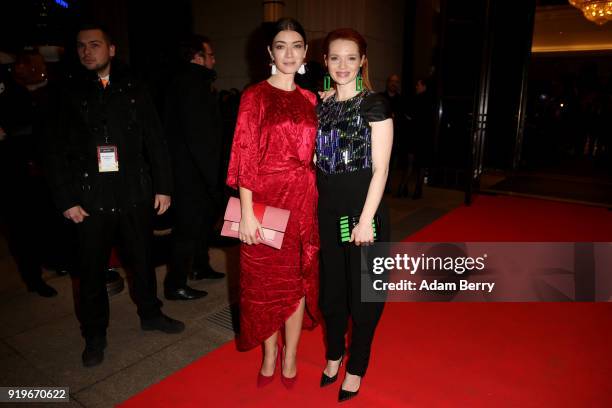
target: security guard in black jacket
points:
(108, 166)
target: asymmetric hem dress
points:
(271, 155)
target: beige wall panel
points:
(230, 23)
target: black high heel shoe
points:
(344, 395)
(327, 380)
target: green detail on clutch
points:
(347, 223)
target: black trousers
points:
(29, 222)
(24, 246)
(193, 220)
(340, 269)
(132, 230)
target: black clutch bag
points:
(346, 224)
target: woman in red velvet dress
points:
(271, 163)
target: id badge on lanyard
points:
(108, 159)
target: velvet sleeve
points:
(244, 156)
(376, 108)
(312, 98)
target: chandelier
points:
(597, 11)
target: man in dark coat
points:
(398, 109)
(423, 119)
(193, 126)
(108, 167)
(22, 208)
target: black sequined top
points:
(344, 135)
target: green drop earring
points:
(326, 82)
(359, 83)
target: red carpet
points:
(445, 354)
(514, 219)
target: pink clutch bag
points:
(273, 221)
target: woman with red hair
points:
(354, 139)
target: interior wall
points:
(233, 27)
(230, 24)
(424, 38)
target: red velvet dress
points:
(272, 156)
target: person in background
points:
(423, 112)
(229, 101)
(24, 207)
(109, 169)
(398, 109)
(193, 127)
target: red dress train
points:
(272, 155)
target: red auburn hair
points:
(350, 35)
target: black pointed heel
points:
(327, 380)
(345, 395)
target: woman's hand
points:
(325, 95)
(250, 231)
(363, 233)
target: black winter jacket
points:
(193, 126)
(88, 116)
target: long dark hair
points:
(351, 35)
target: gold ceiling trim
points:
(572, 48)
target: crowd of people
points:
(89, 163)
